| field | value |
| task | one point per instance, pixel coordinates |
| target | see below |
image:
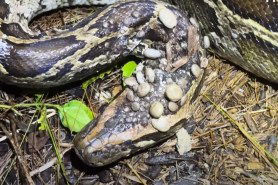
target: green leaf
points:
(75, 115)
(93, 79)
(128, 69)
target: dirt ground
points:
(234, 133)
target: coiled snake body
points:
(163, 36)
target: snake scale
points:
(166, 38)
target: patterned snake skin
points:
(243, 32)
(165, 38)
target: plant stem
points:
(29, 105)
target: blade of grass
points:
(55, 144)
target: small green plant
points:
(128, 69)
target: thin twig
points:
(21, 158)
(137, 175)
(48, 164)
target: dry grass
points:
(221, 154)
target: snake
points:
(170, 38)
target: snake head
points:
(121, 131)
(118, 134)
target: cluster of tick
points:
(153, 92)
